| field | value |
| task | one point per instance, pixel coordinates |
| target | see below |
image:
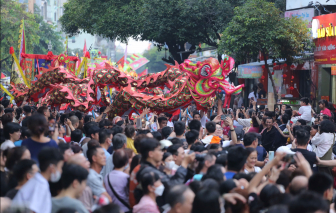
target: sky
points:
(134, 46)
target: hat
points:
(93, 130)
(165, 143)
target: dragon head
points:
(209, 76)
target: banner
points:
(43, 63)
(15, 77)
(28, 67)
(145, 72)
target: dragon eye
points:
(205, 71)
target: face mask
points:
(55, 177)
(159, 190)
(169, 165)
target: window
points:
(55, 16)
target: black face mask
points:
(119, 123)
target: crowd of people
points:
(246, 160)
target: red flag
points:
(145, 72)
(177, 112)
(84, 49)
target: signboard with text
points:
(249, 71)
(324, 34)
(333, 70)
(297, 4)
(305, 14)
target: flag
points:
(177, 112)
(84, 49)
(3, 75)
(145, 72)
(22, 43)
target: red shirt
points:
(326, 112)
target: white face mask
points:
(169, 165)
(55, 177)
(159, 190)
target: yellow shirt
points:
(130, 145)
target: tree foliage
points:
(155, 60)
(11, 15)
(263, 29)
(170, 22)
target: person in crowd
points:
(252, 158)
(86, 197)
(25, 134)
(97, 159)
(191, 137)
(322, 143)
(261, 91)
(76, 135)
(211, 138)
(304, 112)
(166, 131)
(152, 155)
(23, 171)
(180, 199)
(116, 181)
(27, 110)
(301, 142)
(105, 140)
(66, 151)
(35, 193)
(208, 200)
(236, 159)
(323, 104)
(16, 154)
(6, 118)
(119, 141)
(168, 163)
(74, 121)
(162, 123)
(12, 132)
(322, 183)
(92, 133)
(130, 134)
(308, 202)
(253, 96)
(73, 182)
(270, 135)
(203, 166)
(179, 130)
(43, 110)
(178, 155)
(152, 187)
(109, 208)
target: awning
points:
(254, 69)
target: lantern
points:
(284, 75)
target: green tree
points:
(263, 29)
(46, 33)
(11, 15)
(171, 22)
(155, 63)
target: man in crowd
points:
(35, 193)
(180, 198)
(105, 140)
(178, 155)
(43, 110)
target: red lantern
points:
(99, 52)
(272, 73)
(262, 77)
(292, 66)
(284, 75)
(291, 88)
(11, 50)
(263, 66)
(274, 64)
(292, 77)
(285, 65)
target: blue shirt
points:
(229, 175)
(107, 154)
(18, 143)
(35, 147)
(261, 151)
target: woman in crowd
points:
(322, 143)
(15, 154)
(323, 104)
(38, 127)
(152, 187)
(168, 163)
(250, 165)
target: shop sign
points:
(333, 70)
(324, 34)
(249, 71)
(296, 4)
(304, 14)
(290, 102)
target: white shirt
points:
(305, 112)
(7, 144)
(170, 124)
(251, 95)
(204, 119)
(322, 143)
(35, 194)
(244, 122)
(256, 169)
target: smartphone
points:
(224, 116)
(104, 116)
(270, 155)
(138, 123)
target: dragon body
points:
(186, 82)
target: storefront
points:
(324, 35)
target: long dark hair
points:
(255, 90)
